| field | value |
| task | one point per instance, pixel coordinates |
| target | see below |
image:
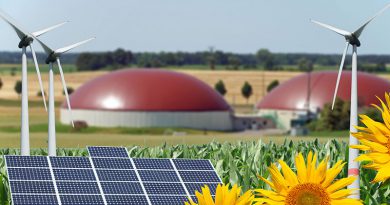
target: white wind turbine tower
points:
(52, 57)
(26, 40)
(351, 39)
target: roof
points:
(147, 90)
(292, 94)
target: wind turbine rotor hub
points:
(353, 40)
(52, 58)
(25, 41)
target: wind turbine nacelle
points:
(26, 41)
(353, 40)
(52, 58)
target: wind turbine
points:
(53, 56)
(26, 40)
(351, 39)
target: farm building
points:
(149, 98)
(291, 100)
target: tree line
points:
(262, 59)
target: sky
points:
(240, 26)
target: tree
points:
(305, 65)
(220, 88)
(265, 58)
(211, 58)
(272, 85)
(246, 91)
(234, 61)
(336, 119)
(18, 87)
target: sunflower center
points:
(307, 194)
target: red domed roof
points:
(147, 90)
(292, 94)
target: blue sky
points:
(241, 26)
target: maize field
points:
(237, 163)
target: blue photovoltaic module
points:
(108, 176)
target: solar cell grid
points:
(78, 188)
(120, 152)
(34, 199)
(186, 164)
(112, 163)
(158, 176)
(199, 176)
(81, 199)
(29, 174)
(70, 162)
(126, 200)
(122, 188)
(26, 161)
(30, 187)
(193, 187)
(153, 163)
(74, 174)
(116, 175)
(164, 188)
(171, 200)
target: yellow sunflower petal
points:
(301, 168)
(288, 174)
(383, 173)
(341, 183)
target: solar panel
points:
(153, 164)
(119, 152)
(116, 175)
(29, 174)
(122, 188)
(108, 176)
(127, 199)
(70, 162)
(78, 187)
(74, 174)
(164, 188)
(27, 161)
(112, 163)
(158, 176)
(171, 200)
(34, 199)
(32, 187)
(81, 199)
(186, 164)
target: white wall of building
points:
(211, 120)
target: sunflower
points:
(312, 185)
(223, 196)
(375, 139)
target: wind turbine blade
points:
(337, 30)
(18, 29)
(68, 48)
(39, 75)
(45, 47)
(359, 31)
(41, 32)
(65, 90)
(339, 74)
